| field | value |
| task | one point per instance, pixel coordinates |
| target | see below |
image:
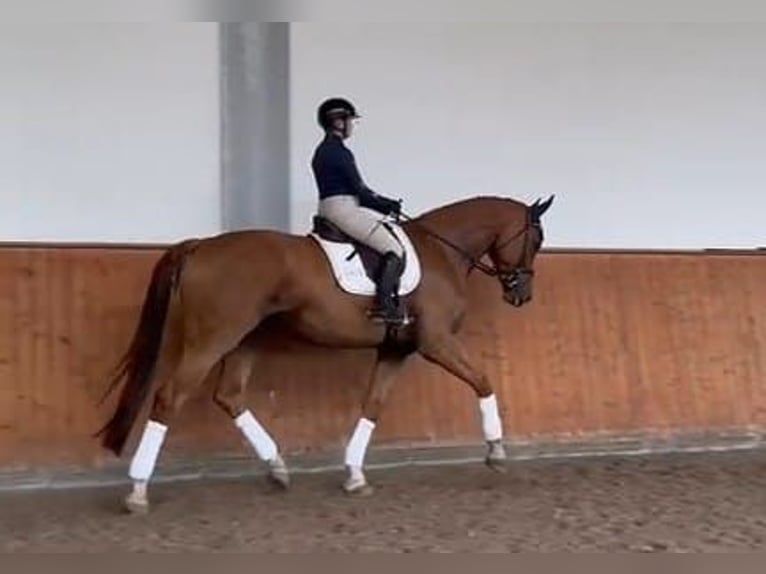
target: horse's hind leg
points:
(168, 401)
(447, 352)
(230, 396)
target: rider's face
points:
(344, 128)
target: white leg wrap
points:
(490, 418)
(145, 458)
(260, 440)
(357, 446)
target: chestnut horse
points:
(206, 296)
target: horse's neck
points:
(474, 241)
(463, 232)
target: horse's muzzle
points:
(517, 287)
(515, 299)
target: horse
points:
(206, 296)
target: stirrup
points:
(381, 315)
(400, 321)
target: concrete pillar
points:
(255, 125)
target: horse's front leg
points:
(446, 351)
(388, 365)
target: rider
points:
(346, 201)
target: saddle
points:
(370, 258)
(355, 266)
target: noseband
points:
(510, 279)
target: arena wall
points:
(110, 131)
(648, 133)
(614, 345)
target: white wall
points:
(108, 132)
(651, 135)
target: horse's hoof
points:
(280, 479)
(499, 465)
(362, 491)
(135, 505)
(278, 474)
(496, 458)
(360, 488)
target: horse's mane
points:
(446, 209)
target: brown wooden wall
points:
(613, 343)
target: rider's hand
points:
(395, 207)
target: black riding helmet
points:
(335, 108)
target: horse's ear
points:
(539, 208)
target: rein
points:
(474, 261)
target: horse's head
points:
(513, 253)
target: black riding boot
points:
(386, 308)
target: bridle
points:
(509, 279)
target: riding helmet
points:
(335, 107)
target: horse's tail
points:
(138, 363)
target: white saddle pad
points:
(350, 274)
